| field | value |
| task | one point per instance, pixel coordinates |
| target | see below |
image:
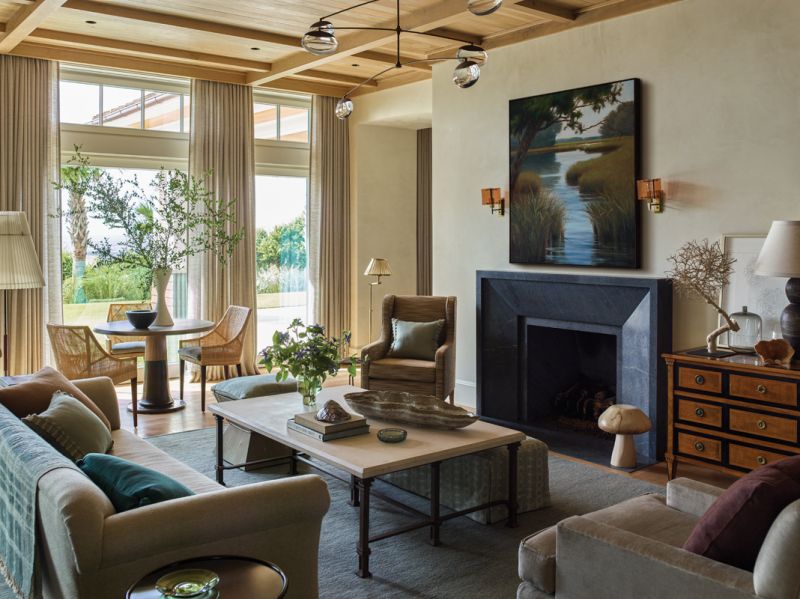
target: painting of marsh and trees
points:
(573, 159)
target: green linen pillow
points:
(258, 385)
(71, 427)
(128, 485)
(415, 340)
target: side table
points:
(238, 577)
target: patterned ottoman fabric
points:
(474, 479)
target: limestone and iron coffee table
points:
(365, 458)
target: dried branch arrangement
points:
(702, 269)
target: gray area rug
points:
(474, 560)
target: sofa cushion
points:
(403, 369)
(780, 552)
(129, 485)
(537, 560)
(734, 527)
(259, 385)
(415, 340)
(33, 396)
(71, 427)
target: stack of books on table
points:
(308, 424)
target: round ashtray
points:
(187, 583)
(392, 435)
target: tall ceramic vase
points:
(161, 281)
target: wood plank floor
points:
(191, 418)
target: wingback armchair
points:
(379, 371)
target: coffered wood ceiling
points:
(257, 42)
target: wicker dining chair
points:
(125, 346)
(222, 346)
(79, 355)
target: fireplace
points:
(555, 350)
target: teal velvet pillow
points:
(130, 485)
(415, 340)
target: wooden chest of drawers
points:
(730, 414)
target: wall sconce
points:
(493, 196)
(649, 190)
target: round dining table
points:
(155, 397)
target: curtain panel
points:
(329, 217)
(29, 164)
(424, 211)
(221, 153)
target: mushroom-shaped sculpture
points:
(624, 421)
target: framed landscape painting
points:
(573, 165)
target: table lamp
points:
(377, 267)
(780, 257)
(19, 265)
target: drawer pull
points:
(761, 389)
(700, 379)
(761, 424)
(761, 460)
(699, 446)
(700, 412)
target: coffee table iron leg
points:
(512, 485)
(362, 548)
(219, 467)
(435, 521)
(353, 491)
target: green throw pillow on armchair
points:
(415, 340)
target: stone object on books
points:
(776, 352)
(332, 412)
(408, 408)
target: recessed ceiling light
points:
(91, 22)
(355, 64)
(255, 48)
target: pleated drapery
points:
(221, 142)
(29, 160)
(424, 211)
(329, 218)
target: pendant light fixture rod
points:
(338, 12)
(398, 66)
(400, 30)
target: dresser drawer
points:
(774, 427)
(753, 387)
(700, 412)
(702, 447)
(750, 457)
(704, 380)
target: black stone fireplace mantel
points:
(636, 311)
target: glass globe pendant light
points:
(474, 53)
(320, 39)
(483, 7)
(466, 74)
(344, 108)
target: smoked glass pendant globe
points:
(483, 7)
(344, 108)
(474, 53)
(466, 74)
(320, 39)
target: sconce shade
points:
(378, 267)
(648, 190)
(780, 254)
(490, 196)
(19, 264)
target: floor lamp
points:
(19, 265)
(377, 267)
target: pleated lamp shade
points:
(378, 267)
(780, 255)
(19, 264)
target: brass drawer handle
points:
(761, 389)
(699, 446)
(761, 460)
(700, 379)
(700, 412)
(761, 424)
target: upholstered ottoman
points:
(240, 445)
(474, 479)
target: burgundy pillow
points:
(33, 396)
(736, 524)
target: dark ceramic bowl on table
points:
(141, 319)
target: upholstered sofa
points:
(90, 552)
(634, 549)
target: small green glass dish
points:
(183, 584)
(392, 435)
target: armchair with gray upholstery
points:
(634, 549)
(437, 377)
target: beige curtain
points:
(329, 217)
(424, 215)
(29, 159)
(221, 142)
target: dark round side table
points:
(238, 577)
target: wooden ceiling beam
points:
(440, 14)
(391, 59)
(334, 77)
(306, 87)
(128, 63)
(160, 51)
(138, 14)
(24, 20)
(543, 10)
(458, 35)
